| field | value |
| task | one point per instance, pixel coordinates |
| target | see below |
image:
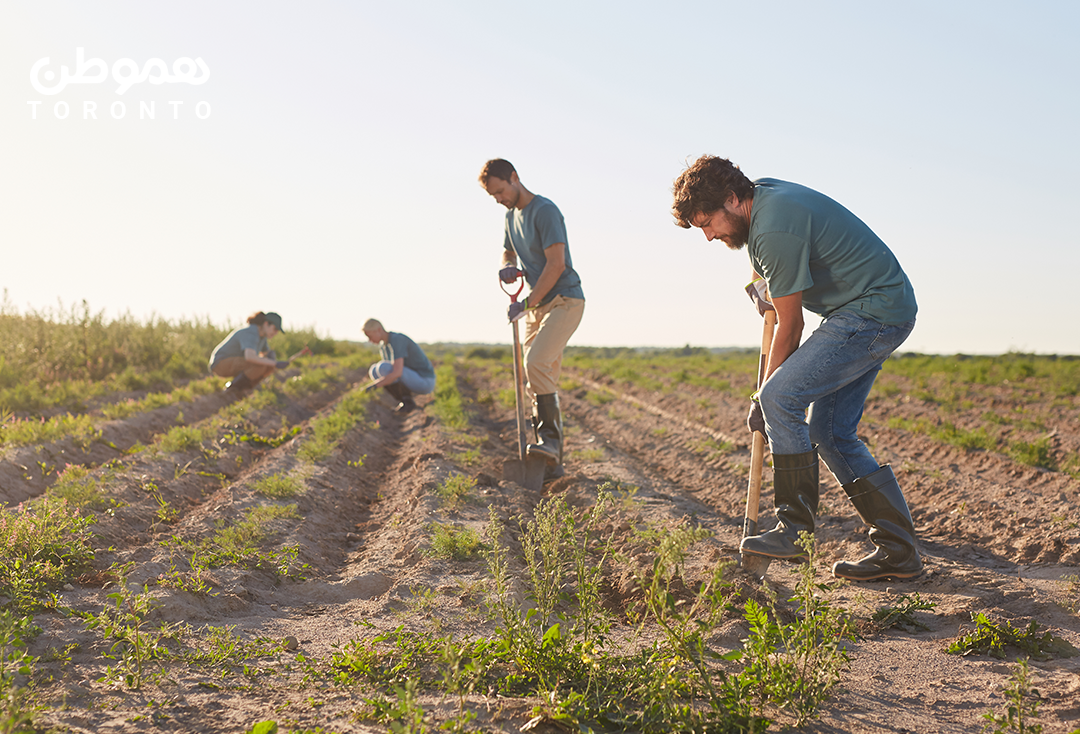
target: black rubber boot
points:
(880, 504)
(795, 494)
(548, 430)
(239, 386)
(403, 395)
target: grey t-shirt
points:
(801, 240)
(246, 337)
(532, 230)
(399, 346)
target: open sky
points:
(326, 168)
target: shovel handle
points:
(515, 294)
(757, 447)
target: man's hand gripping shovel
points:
(525, 470)
(754, 564)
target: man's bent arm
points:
(789, 328)
(553, 268)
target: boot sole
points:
(800, 558)
(888, 576)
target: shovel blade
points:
(755, 565)
(529, 473)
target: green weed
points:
(134, 646)
(16, 710)
(184, 438)
(448, 405)
(589, 456)
(795, 666)
(991, 638)
(42, 546)
(902, 614)
(279, 486)
(327, 430)
(1023, 705)
(29, 431)
(1036, 453)
(456, 544)
(240, 544)
(79, 487)
(455, 490)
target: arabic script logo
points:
(125, 72)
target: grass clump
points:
(29, 431)
(453, 543)
(42, 546)
(448, 405)
(79, 487)
(327, 430)
(156, 400)
(184, 438)
(241, 543)
(455, 489)
(279, 486)
(1036, 453)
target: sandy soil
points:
(998, 537)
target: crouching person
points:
(245, 354)
(403, 370)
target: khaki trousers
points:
(233, 366)
(547, 330)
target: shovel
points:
(755, 564)
(527, 471)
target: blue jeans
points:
(410, 378)
(829, 375)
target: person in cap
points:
(813, 253)
(535, 235)
(403, 370)
(245, 354)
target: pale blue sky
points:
(335, 177)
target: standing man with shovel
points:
(815, 254)
(535, 235)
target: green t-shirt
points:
(801, 240)
(399, 346)
(246, 337)
(529, 232)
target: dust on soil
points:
(998, 537)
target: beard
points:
(740, 225)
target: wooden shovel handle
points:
(757, 447)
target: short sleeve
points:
(550, 226)
(783, 259)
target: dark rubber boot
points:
(239, 386)
(548, 430)
(403, 395)
(880, 504)
(795, 494)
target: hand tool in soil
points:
(528, 471)
(755, 564)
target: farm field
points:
(173, 561)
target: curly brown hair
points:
(704, 187)
(497, 168)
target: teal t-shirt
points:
(532, 230)
(246, 337)
(801, 240)
(399, 346)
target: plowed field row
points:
(358, 548)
